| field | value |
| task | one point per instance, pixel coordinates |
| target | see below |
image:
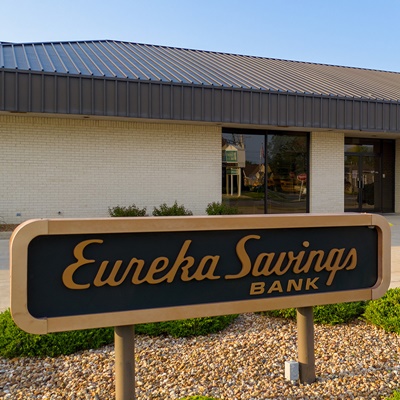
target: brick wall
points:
(81, 167)
(327, 178)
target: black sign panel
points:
(82, 274)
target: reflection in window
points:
(265, 173)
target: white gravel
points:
(246, 361)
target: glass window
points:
(265, 172)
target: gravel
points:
(246, 361)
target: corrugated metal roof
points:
(151, 63)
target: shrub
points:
(331, 314)
(395, 396)
(186, 327)
(130, 211)
(221, 209)
(385, 312)
(175, 209)
(14, 342)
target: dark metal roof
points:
(135, 61)
(110, 78)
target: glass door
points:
(362, 183)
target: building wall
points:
(327, 176)
(397, 178)
(63, 167)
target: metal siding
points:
(226, 106)
(98, 95)
(166, 102)
(74, 95)
(198, 110)
(155, 108)
(110, 98)
(255, 107)
(62, 95)
(217, 106)
(187, 103)
(48, 93)
(122, 98)
(10, 100)
(324, 113)
(177, 103)
(33, 92)
(307, 112)
(87, 96)
(371, 115)
(36, 93)
(23, 97)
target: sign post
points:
(305, 335)
(124, 343)
(84, 273)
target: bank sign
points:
(77, 274)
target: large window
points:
(265, 172)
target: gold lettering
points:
(68, 274)
(275, 287)
(154, 268)
(257, 288)
(140, 264)
(199, 274)
(310, 283)
(243, 257)
(180, 259)
(98, 281)
(334, 255)
(265, 270)
(295, 285)
(306, 267)
(352, 258)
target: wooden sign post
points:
(92, 273)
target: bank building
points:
(89, 125)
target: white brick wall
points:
(327, 176)
(81, 167)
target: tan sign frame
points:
(27, 231)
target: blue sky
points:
(356, 33)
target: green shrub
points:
(14, 342)
(394, 396)
(186, 327)
(130, 211)
(221, 209)
(175, 209)
(385, 312)
(331, 314)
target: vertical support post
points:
(124, 342)
(305, 332)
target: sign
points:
(78, 274)
(302, 177)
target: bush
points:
(14, 342)
(331, 314)
(130, 211)
(175, 209)
(186, 327)
(385, 312)
(394, 396)
(221, 209)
